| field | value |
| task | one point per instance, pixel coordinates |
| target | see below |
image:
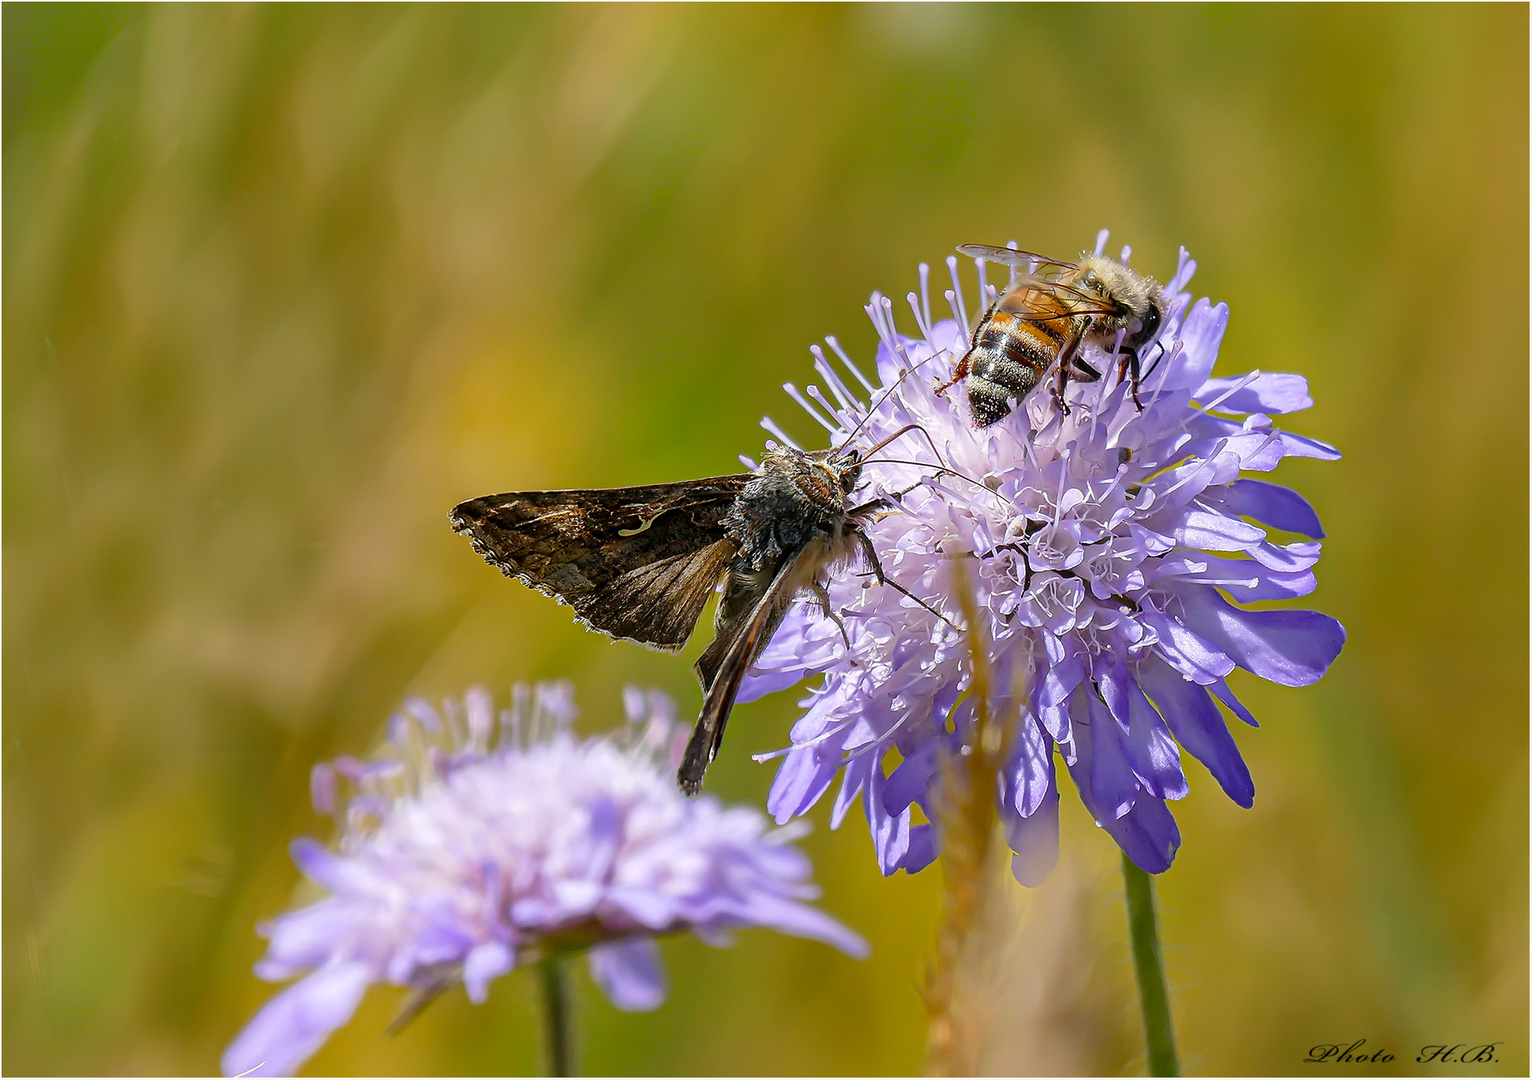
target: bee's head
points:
(1137, 298)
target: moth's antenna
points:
(876, 405)
(907, 428)
(944, 469)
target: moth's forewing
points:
(637, 563)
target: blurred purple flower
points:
(1104, 547)
(482, 842)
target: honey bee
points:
(1044, 319)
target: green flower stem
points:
(1145, 937)
(558, 1021)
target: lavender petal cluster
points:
(480, 841)
(1110, 553)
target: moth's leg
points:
(823, 596)
(884, 505)
(884, 579)
(877, 504)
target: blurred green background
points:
(284, 283)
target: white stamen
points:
(844, 359)
(920, 320)
(792, 392)
(748, 463)
(925, 291)
(1127, 253)
(984, 290)
(1236, 388)
(955, 297)
(846, 418)
(1058, 502)
(958, 315)
(841, 391)
(771, 425)
(1202, 467)
(1101, 240)
(898, 345)
(874, 309)
(1011, 281)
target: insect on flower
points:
(1042, 321)
(639, 563)
(1110, 553)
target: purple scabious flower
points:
(479, 842)
(1109, 552)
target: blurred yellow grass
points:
(284, 283)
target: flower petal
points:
(292, 1026)
(1292, 648)
(1298, 446)
(1150, 750)
(1147, 834)
(1271, 504)
(802, 779)
(1029, 773)
(1217, 532)
(1269, 392)
(1199, 727)
(1034, 838)
(922, 850)
(1200, 335)
(911, 779)
(486, 962)
(1113, 787)
(1189, 653)
(629, 973)
(890, 832)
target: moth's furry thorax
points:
(795, 497)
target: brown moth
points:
(639, 563)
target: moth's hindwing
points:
(637, 563)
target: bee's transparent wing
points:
(1039, 299)
(1011, 256)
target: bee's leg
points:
(822, 595)
(958, 374)
(1067, 357)
(1127, 369)
(961, 371)
(884, 579)
(1085, 372)
(1158, 356)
